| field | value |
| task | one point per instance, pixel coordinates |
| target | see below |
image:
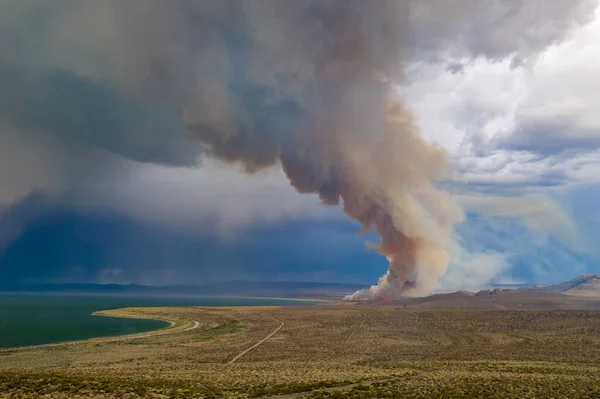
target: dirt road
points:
(259, 342)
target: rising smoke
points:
(321, 103)
(308, 85)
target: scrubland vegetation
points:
(323, 352)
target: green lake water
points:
(33, 319)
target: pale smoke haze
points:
(308, 85)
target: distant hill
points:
(565, 295)
(289, 289)
(587, 285)
(582, 292)
(497, 300)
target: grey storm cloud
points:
(121, 75)
(78, 111)
(553, 136)
(497, 28)
(309, 85)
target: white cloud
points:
(518, 137)
(536, 125)
(559, 112)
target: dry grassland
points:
(392, 353)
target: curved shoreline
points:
(172, 326)
(170, 329)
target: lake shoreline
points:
(66, 319)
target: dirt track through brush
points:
(259, 342)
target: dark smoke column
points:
(308, 85)
(312, 87)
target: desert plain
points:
(447, 346)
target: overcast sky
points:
(100, 181)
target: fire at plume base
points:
(387, 289)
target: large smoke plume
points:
(309, 85)
(316, 94)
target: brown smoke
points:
(306, 84)
(328, 112)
